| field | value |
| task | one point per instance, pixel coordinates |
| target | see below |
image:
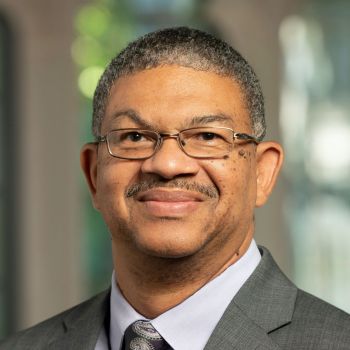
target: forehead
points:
(171, 96)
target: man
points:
(176, 171)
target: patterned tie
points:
(141, 335)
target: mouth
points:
(169, 203)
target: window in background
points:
(7, 195)
(315, 122)
(103, 28)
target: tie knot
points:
(141, 335)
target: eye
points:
(133, 136)
(208, 136)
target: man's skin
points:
(168, 241)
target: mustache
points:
(142, 186)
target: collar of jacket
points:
(264, 304)
(83, 324)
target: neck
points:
(153, 285)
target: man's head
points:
(185, 47)
(172, 204)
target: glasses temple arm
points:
(246, 137)
(101, 139)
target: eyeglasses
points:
(199, 142)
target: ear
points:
(268, 166)
(88, 163)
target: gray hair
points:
(184, 47)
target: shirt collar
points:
(180, 326)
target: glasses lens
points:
(132, 143)
(207, 142)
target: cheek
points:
(225, 174)
(112, 180)
(234, 178)
(108, 181)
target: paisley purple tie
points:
(141, 335)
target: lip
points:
(162, 195)
(169, 203)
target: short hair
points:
(185, 47)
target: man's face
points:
(173, 215)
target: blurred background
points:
(54, 248)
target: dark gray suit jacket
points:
(268, 312)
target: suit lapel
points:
(264, 303)
(82, 326)
(237, 331)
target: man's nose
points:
(170, 161)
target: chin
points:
(173, 245)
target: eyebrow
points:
(205, 119)
(134, 116)
(188, 122)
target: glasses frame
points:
(162, 136)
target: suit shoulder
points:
(315, 324)
(318, 311)
(42, 332)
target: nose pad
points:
(170, 160)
